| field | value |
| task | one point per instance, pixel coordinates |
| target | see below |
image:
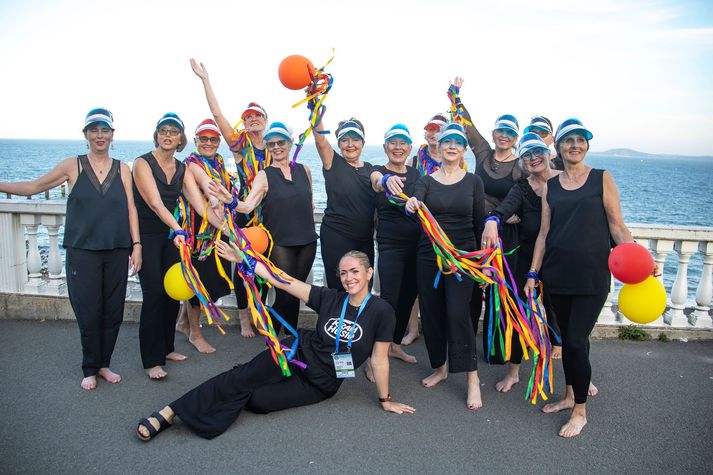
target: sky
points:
(638, 73)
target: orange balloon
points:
(296, 72)
(257, 237)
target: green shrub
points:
(633, 332)
(664, 337)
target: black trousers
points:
(157, 328)
(96, 283)
(445, 317)
(577, 315)
(397, 276)
(297, 262)
(210, 408)
(333, 246)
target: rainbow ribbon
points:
(457, 110)
(316, 95)
(509, 313)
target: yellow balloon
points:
(175, 285)
(643, 302)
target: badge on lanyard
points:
(343, 362)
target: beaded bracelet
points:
(533, 275)
(233, 204)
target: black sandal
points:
(153, 432)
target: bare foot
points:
(368, 371)
(409, 338)
(182, 324)
(574, 425)
(440, 374)
(593, 390)
(109, 375)
(89, 383)
(395, 351)
(201, 344)
(558, 406)
(246, 327)
(473, 399)
(556, 352)
(173, 356)
(506, 384)
(156, 372)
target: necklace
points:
(495, 163)
(99, 167)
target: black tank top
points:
(496, 189)
(350, 199)
(149, 222)
(458, 208)
(97, 213)
(577, 248)
(395, 226)
(287, 208)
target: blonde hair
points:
(361, 257)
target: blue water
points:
(673, 190)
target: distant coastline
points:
(629, 153)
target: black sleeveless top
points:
(458, 208)
(350, 199)
(395, 226)
(97, 213)
(577, 248)
(287, 208)
(149, 222)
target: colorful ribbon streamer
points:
(457, 110)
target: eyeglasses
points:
(204, 139)
(505, 132)
(169, 132)
(536, 153)
(540, 132)
(276, 143)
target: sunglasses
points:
(506, 132)
(536, 153)
(204, 139)
(276, 143)
(169, 132)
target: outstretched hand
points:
(457, 82)
(229, 251)
(395, 184)
(397, 407)
(199, 69)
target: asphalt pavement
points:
(654, 414)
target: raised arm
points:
(612, 205)
(66, 170)
(294, 287)
(258, 191)
(226, 129)
(324, 148)
(146, 185)
(477, 143)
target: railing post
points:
(660, 248)
(13, 259)
(34, 261)
(700, 317)
(54, 262)
(679, 291)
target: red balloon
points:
(257, 237)
(296, 72)
(631, 263)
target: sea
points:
(654, 190)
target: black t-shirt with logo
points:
(376, 323)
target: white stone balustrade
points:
(20, 264)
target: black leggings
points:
(445, 317)
(577, 315)
(96, 283)
(157, 328)
(297, 262)
(333, 246)
(209, 409)
(397, 275)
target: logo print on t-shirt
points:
(330, 328)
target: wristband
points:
(180, 232)
(384, 179)
(233, 204)
(493, 217)
(533, 275)
(247, 267)
(385, 399)
(135, 243)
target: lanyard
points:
(341, 321)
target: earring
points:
(87, 145)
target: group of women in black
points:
(563, 223)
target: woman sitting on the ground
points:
(365, 325)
